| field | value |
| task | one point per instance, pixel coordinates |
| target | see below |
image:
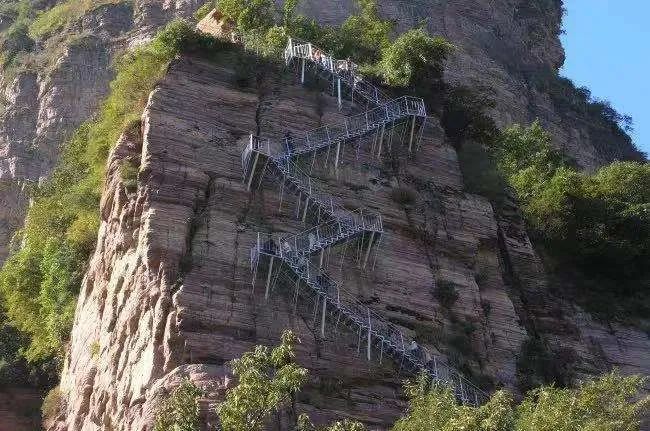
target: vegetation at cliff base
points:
(41, 278)
(180, 411)
(269, 379)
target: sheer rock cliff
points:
(169, 296)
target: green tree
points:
(268, 378)
(600, 221)
(605, 404)
(364, 36)
(414, 57)
(180, 411)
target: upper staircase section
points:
(354, 127)
(344, 70)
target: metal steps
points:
(287, 258)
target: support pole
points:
(281, 196)
(412, 135)
(304, 213)
(250, 179)
(338, 151)
(381, 139)
(338, 82)
(298, 208)
(322, 321)
(365, 259)
(322, 255)
(369, 336)
(302, 75)
(268, 279)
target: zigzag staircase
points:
(289, 266)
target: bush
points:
(480, 174)
(129, 175)
(53, 404)
(446, 293)
(604, 404)
(600, 221)
(39, 282)
(464, 116)
(537, 365)
(414, 57)
(180, 411)
(14, 41)
(61, 15)
(267, 381)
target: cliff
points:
(168, 291)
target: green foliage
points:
(268, 378)
(599, 221)
(364, 36)
(304, 424)
(414, 57)
(15, 40)
(204, 10)
(180, 411)
(52, 404)
(61, 15)
(129, 175)
(604, 404)
(39, 281)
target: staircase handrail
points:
(364, 316)
(328, 233)
(346, 70)
(291, 171)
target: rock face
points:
(169, 293)
(45, 105)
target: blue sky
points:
(607, 45)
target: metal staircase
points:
(331, 303)
(287, 258)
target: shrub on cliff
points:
(267, 381)
(61, 15)
(600, 221)
(414, 57)
(180, 411)
(40, 280)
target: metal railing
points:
(358, 125)
(346, 70)
(304, 183)
(294, 251)
(325, 234)
(378, 332)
